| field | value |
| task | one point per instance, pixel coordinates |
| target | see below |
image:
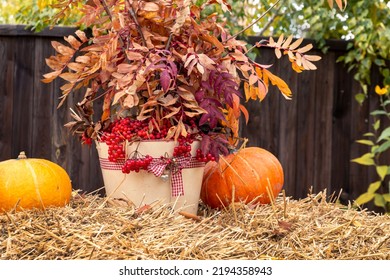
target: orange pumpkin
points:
(33, 183)
(250, 175)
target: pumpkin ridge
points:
(251, 166)
(35, 179)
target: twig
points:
(132, 14)
(253, 23)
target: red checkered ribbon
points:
(176, 165)
(109, 165)
(158, 166)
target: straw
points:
(92, 227)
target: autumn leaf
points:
(276, 81)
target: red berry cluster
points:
(204, 158)
(184, 147)
(131, 130)
(86, 140)
(136, 164)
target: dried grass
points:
(91, 227)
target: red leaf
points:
(165, 80)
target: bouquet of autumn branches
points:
(164, 71)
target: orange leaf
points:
(247, 91)
(62, 49)
(49, 77)
(73, 41)
(276, 81)
(245, 113)
(262, 90)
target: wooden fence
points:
(313, 135)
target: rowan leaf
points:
(276, 81)
(288, 41)
(49, 77)
(73, 41)
(304, 49)
(296, 44)
(62, 49)
(165, 80)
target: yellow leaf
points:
(366, 159)
(382, 171)
(373, 187)
(296, 67)
(364, 198)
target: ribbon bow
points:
(159, 165)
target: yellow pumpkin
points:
(27, 183)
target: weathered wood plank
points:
(287, 134)
(323, 123)
(23, 57)
(305, 130)
(342, 120)
(7, 68)
(42, 103)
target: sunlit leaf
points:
(364, 198)
(382, 171)
(379, 200)
(365, 142)
(385, 134)
(373, 187)
(366, 159)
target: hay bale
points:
(91, 227)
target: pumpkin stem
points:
(22, 155)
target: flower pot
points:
(177, 184)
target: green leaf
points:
(379, 200)
(383, 147)
(376, 125)
(373, 187)
(369, 134)
(378, 112)
(374, 149)
(385, 133)
(382, 171)
(360, 97)
(365, 142)
(386, 197)
(364, 198)
(366, 159)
